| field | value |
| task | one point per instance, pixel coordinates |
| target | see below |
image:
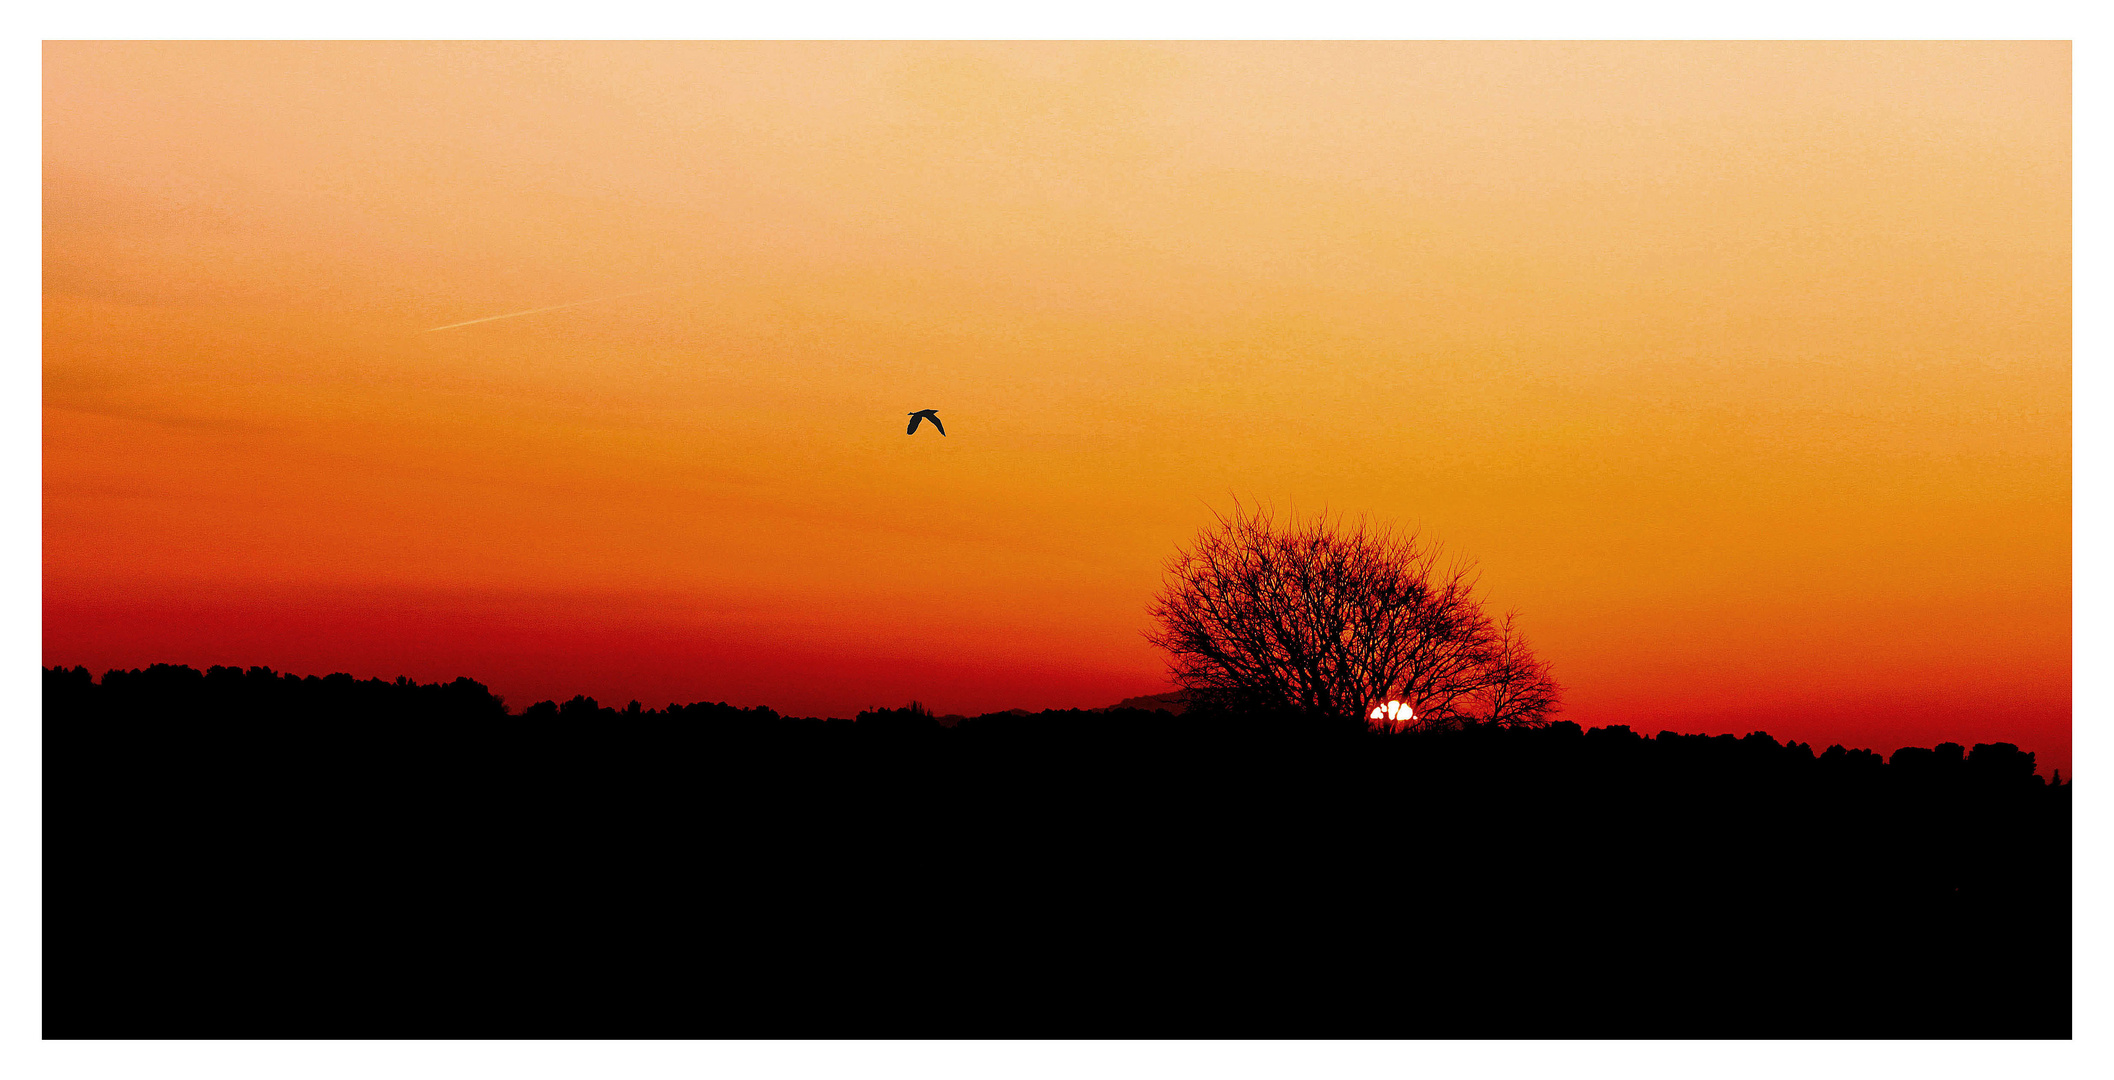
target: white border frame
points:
(21, 537)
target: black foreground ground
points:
(243, 854)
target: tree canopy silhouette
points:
(1321, 620)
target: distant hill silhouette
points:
(1174, 702)
(244, 853)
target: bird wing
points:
(936, 423)
(914, 418)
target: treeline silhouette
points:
(243, 853)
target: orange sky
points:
(1743, 369)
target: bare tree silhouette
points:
(1321, 620)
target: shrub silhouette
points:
(1319, 621)
(244, 853)
(911, 719)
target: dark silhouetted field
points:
(245, 854)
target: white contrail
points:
(553, 307)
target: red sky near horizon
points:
(1741, 369)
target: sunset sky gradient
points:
(1742, 369)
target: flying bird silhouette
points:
(925, 414)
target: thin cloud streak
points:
(553, 307)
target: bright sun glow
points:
(1394, 711)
